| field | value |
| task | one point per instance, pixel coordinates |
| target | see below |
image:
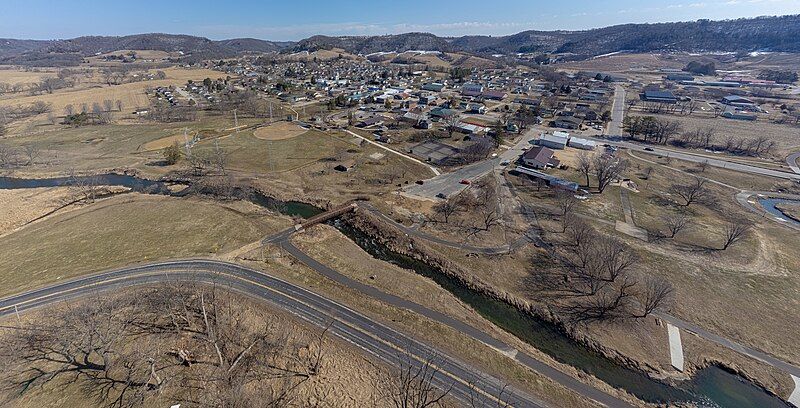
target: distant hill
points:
(778, 34)
(34, 52)
(372, 44)
(762, 34)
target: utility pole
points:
(186, 142)
(270, 112)
(235, 121)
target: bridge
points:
(328, 215)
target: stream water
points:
(768, 204)
(710, 387)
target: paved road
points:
(448, 183)
(655, 150)
(373, 337)
(617, 112)
(794, 162)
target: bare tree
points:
(119, 105)
(479, 399)
(486, 204)
(83, 188)
(447, 208)
(566, 204)
(656, 294)
(585, 166)
(31, 153)
(451, 123)
(607, 168)
(219, 158)
(734, 231)
(8, 156)
(695, 191)
(412, 384)
(187, 342)
(675, 223)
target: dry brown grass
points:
(22, 206)
(279, 131)
(346, 379)
(124, 230)
(786, 137)
(17, 76)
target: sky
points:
(296, 19)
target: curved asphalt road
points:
(794, 162)
(374, 338)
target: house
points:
(345, 166)
(567, 122)
(495, 95)
(527, 101)
(413, 118)
(736, 100)
(739, 115)
(428, 99)
(471, 88)
(553, 141)
(677, 77)
(583, 144)
(552, 181)
(466, 128)
(443, 112)
(433, 87)
(371, 121)
(659, 96)
(540, 157)
(476, 108)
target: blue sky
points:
(296, 19)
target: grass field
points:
(720, 290)
(250, 154)
(105, 147)
(786, 137)
(22, 206)
(279, 131)
(15, 76)
(126, 230)
(790, 210)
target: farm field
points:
(12, 75)
(131, 94)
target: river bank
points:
(532, 324)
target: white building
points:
(553, 141)
(583, 144)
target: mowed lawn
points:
(126, 230)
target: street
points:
(617, 112)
